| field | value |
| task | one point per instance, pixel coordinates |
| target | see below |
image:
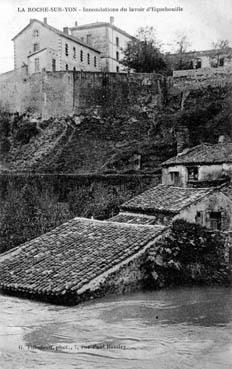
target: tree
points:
(182, 45)
(221, 44)
(221, 48)
(143, 53)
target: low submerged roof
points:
(203, 154)
(72, 255)
(164, 198)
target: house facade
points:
(40, 46)
(195, 187)
(107, 38)
(213, 58)
(201, 165)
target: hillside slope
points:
(134, 141)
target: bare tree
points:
(221, 44)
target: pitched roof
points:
(144, 219)
(72, 255)
(102, 24)
(227, 191)
(58, 32)
(167, 199)
(203, 154)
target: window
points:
(95, 61)
(199, 218)
(66, 66)
(74, 53)
(88, 58)
(198, 64)
(117, 69)
(36, 64)
(215, 219)
(175, 178)
(53, 65)
(117, 55)
(193, 173)
(74, 69)
(117, 41)
(35, 47)
(81, 55)
(221, 62)
(66, 49)
(36, 33)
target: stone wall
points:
(62, 93)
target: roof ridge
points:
(58, 31)
(121, 224)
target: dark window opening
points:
(74, 53)
(215, 219)
(117, 69)
(175, 178)
(53, 65)
(81, 55)
(95, 61)
(66, 49)
(88, 58)
(117, 41)
(88, 38)
(198, 64)
(117, 55)
(74, 69)
(66, 66)
(199, 217)
(35, 47)
(221, 62)
(193, 174)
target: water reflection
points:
(178, 328)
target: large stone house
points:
(40, 46)
(107, 38)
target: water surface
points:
(169, 329)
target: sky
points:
(203, 21)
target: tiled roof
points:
(203, 154)
(138, 219)
(57, 31)
(227, 191)
(165, 199)
(72, 255)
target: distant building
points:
(200, 61)
(199, 166)
(40, 46)
(107, 38)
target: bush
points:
(26, 132)
(189, 254)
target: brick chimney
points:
(112, 20)
(45, 20)
(65, 30)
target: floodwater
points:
(169, 329)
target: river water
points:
(168, 329)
